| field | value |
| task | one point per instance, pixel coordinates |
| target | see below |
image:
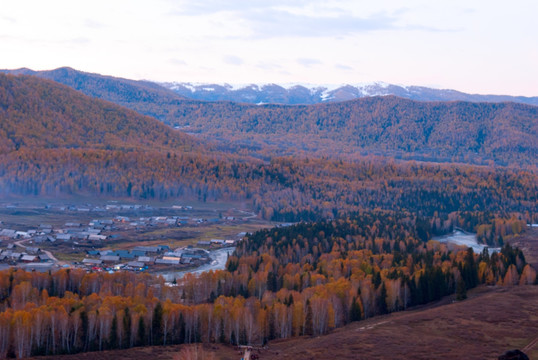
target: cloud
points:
(8, 19)
(263, 20)
(268, 66)
(275, 23)
(177, 62)
(308, 62)
(290, 18)
(299, 18)
(343, 67)
(206, 7)
(232, 60)
(90, 23)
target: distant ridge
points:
(314, 94)
(142, 96)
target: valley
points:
(319, 229)
(308, 180)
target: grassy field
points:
(491, 322)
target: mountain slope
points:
(55, 140)
(36, 113)
(142, 96)
(311, 94)
(390, 126)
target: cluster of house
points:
(31, 258)
(143, 257)
(93, 208)
(70, 232)
(96, 231)
(93, 231)
(167, 220)
(217, 243)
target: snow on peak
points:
(313, 88)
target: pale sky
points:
(487, 47)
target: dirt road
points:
(21, 244)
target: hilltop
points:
(56, 140)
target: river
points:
(466, 239)
(218, 262)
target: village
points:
(92, 243)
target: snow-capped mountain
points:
(313, 94)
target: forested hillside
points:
(41, 114)
(283, 190)
(455, 132)
(301, 280)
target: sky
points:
(485, 47)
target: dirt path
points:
(251, 215)
(20, 243)
(530, 346)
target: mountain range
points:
(504, 133)
(455, 131)
(135, 93)
(315, 94)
